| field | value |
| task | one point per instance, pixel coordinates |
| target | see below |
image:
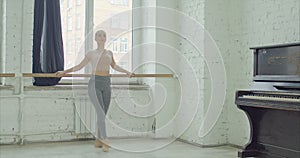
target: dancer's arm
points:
(120, 69)
(84, 62)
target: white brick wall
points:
(1, 38)
(49, 115)
(200, 11)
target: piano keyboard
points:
(287, 98)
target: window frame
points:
(114, 45)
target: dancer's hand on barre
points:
(130, 74)
(60, 73)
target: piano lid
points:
(277, 46)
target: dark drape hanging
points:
(48, 55)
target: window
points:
(117, 22)
(119, 2)
(124, 64)
(78, 21)
(74, 24)
(124, 22)
(73, 27)
(70, 23)
(120, 21)
(70, 46)
(114, 21)
(69, 64)
(70, 4)
(78, 44)
(78, 2)
(123, 45)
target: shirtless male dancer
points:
(99, 84)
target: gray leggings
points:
(100, 93)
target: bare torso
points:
(100, 61)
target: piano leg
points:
(248, 153)
(252, 148)
(274, 133)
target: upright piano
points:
(273, 103)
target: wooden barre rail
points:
(84, 75)
(7, 75)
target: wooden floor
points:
(85, 149)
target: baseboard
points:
(200, 145)
(69, 138)
(236, 146)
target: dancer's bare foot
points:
(98, 143)
(105, 146)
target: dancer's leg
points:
(95, 95)
(106, 95)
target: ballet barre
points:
(7, 75)
(88, 75)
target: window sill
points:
(6, 87)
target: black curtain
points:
(48, 55)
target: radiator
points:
(85, 116)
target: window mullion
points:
(89, 25)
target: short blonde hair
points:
(101, 31)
